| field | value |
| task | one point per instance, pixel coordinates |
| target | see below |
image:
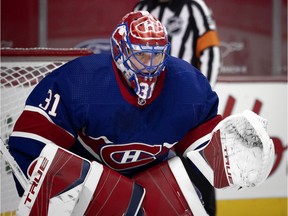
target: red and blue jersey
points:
(86, 107)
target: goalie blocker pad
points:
(63, 183)
(169, 191)
(240, 152)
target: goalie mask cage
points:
(21, 71)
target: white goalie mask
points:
(140, 48)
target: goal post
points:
(21, 70)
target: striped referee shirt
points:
(192, 32)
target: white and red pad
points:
(115, 195)
(51, 186)
(169, 190)
(240, 152)
(63, 184)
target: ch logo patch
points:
(127, 156)
(148, 28)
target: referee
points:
(192, 32)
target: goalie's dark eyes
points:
(139, 53)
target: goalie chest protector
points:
(104, 117)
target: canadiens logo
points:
(148, 28)
(127, 156)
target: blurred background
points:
(253, 37)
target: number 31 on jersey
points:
(52, 100)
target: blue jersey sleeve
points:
(48, 116)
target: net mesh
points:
(21, 71)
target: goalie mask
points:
(140, 48)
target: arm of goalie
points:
(240, 152)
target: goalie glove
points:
(240, 152)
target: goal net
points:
(21, 71)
